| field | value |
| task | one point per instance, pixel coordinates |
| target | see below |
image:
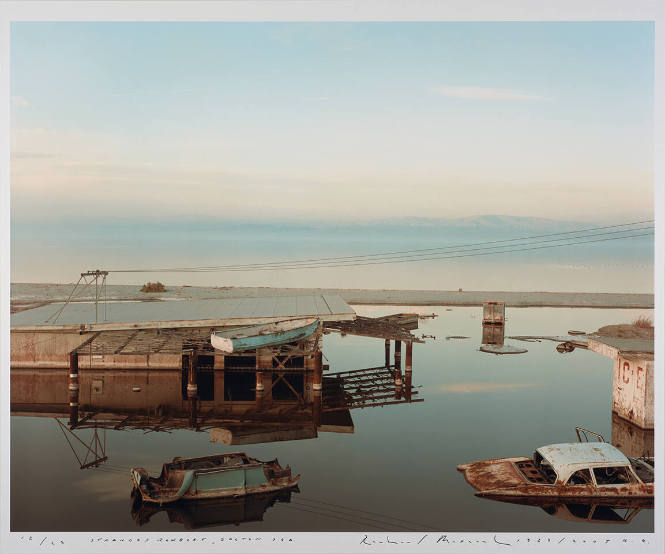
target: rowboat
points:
(267, 334)
(219, 476)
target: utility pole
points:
(99, 287)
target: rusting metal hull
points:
(500, 479)
(212, 477)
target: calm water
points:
(397, 471)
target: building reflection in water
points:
(265, 395)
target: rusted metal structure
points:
(494, 313)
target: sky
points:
(332, 121)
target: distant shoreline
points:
(24, 295)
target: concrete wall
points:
(110, 389)
(633, 392)
(98, 388)
(48, 386)
(632, 440)
(43, 349)
(131, 361)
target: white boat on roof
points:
(267, 334)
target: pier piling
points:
(73, 388)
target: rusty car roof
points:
(582, 453)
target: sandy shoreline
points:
(25, 294)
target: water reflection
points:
(209, 513)
(249, 398)
(617, 511)
(149, 419)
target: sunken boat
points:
(215, 512)
(208, 477)
(583, 470)
(240, 339)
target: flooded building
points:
(162, 374)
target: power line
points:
(361, 256)
(360, 260)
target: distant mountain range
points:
(484, 222)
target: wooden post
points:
(259, 382)
(316, 408)
(387, 352)
(193, 412)
(73, 388)
(398, 355)
(258, 397)
(192, 387)
(407, 385)
(409, 357)
(398, 384)
(317, 383)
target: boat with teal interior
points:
(267, 334)
(218, 476)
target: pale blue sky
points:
(332, 120)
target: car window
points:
(579, 510)
(612, 476)
(581, 477)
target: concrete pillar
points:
(398, 355)
(73, 388)
(192, 387)
(633, 390)
(632, 440)
(408, 364)
(387, 352)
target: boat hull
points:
(212, 477)
(266, 335)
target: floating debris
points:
(565, 347)
(573, 332)
(456, 337)
(502, 349)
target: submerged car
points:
(584, 470)
(208, 477)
